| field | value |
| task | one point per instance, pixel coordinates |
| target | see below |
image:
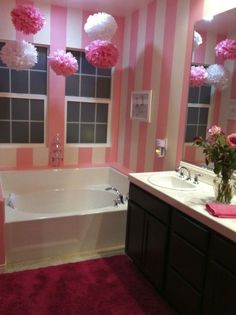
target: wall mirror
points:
(210, 104)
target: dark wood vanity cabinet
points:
(191, 265)
(220, 290)
(186, 264)
(147, 234)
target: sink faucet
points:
(120, 197)
(182, 170)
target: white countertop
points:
(191, 202)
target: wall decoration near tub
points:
(141, 105)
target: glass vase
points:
(224, 189)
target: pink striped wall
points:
(140, 63)
(166, 68)
(56, 84)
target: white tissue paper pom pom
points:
(100, 26)
(218, 76)
(19, 55)
(197, 40)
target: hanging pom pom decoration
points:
(63, 63)
(197, 41)
(101, 54)
(226, 49)
(198, 76)
(19, 55)
(218, 76)
(27, 19)
(100, 26)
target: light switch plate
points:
(231, 110)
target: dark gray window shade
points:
(87, 120)
(22, 119)
(86, 123)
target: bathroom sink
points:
(171, 180)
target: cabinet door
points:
(220, 297)
(155, 250)
(135, 232)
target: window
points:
(23, 102)
(199, 99)
(88, 102)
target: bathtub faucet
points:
(120, 197)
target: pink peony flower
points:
(198, 76)
(215, 130)
(101, 54)
(231, 139)
(27, 19)
(63, 63)
(226, 49)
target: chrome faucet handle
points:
(195, 180)
(181, 170)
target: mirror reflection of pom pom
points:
(198, 76)
(218, 76)
(19, 55)
(100, 26)
(63, 63)
(226, 49)
(27, 19)
(101, 54)
(197, 41)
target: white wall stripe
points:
(74, 28)
(7, 30)
(138, 82)
(98, 155)
(43, 36)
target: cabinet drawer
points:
(181, 295)
(150, 203)
(188, 261)
(223, 251)
(192, 231)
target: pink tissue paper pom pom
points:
(19, 55)
(27, 19)
(197, 40)
(218, 76)
(63, 63)
(101, 54)
(226, 49)
(100, 26)
(198, 76)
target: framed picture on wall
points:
(141, 105)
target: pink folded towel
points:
(222, 211)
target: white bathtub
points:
(63, 212)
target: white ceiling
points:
(114, 7)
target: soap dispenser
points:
(161, 147)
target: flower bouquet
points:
(220, 149)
